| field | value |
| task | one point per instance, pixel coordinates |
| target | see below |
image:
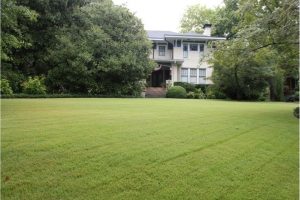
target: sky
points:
(163, 14)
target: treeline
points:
(260, 57)
(72, 46)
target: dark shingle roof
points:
(159, 34)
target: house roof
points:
(159, 34)
(162, 35)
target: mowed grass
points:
(148, 149)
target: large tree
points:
(105, 51)
(195, 17)
(81, 46)
(267, 30)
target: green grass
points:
(148, 149)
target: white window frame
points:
(185, 53)
(164, 52)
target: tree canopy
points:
(195, 17)
(261, 49)
(81, 46)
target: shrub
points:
(5, 87)
(190, 95)
(187, 86)
(14, 77)
(176, 92)
(34, 86)
(199, 94)
(296, 112)
(296, 96)
(213, 93)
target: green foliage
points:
(276, 86)
(195, 17)
(212, 92)
(176, 92)
(5, 87)
(190, 95)
(296, 112)
(14, 77)
(199, 94)
(262, 48)
(34, 86)
(13, 36)
(187, 86)
(108, 56)
(80, 46)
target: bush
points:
(213, 93)
(14, 77)
(296, 112)
(293, 97)
(190, 95)
(34, 86)
(199, 94)
(187, 86)
(296, 96)
(5, 87)
(176, 92)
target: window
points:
(185, 50)
(161, 50)
(193, 76)
(178, 43)
(202, 72)
(184, 74)
(194, 47)
(202, 76)
(201, 47)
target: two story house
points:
(181, 57)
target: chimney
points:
(207, 29)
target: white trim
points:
(189, 75)
(197, 75)
(195, 37)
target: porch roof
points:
(180, 61)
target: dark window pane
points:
(201, 47)
(185, 47)
(178, 43)
(194, 47)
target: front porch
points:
(160, 76)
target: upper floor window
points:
(201, 47)
(194, 47)
(161, 50)
(185, 50)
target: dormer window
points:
(161, 50)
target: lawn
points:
(148, 149)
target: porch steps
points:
(155, 92)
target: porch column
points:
(189, 74)
(197, 76)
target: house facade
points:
(181, 57)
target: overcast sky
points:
(163, 14)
